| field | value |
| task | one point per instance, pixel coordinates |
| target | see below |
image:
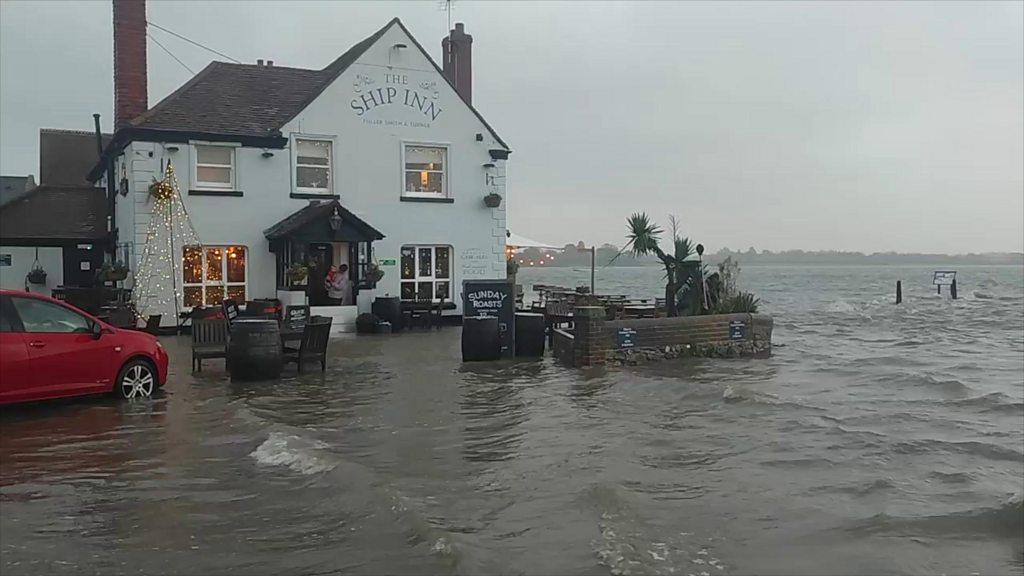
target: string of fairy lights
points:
(157, 280)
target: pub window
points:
(426, 273)
(214, 167)
(313, 166)
(426, 173)
(211, 274)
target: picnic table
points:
(430, 308)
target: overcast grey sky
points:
(872, 126)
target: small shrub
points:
(744, 302)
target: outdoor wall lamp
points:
(172, 148)
(335, 220)
(267, 154)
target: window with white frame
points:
(425, 172)
(313, 166)
(426, 273)
(211, 274)
(214, 167)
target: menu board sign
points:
(492, 298)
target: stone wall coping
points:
(696, 321)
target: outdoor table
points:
(409, 307)
(639, 311)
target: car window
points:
(41, 316)
(6, 321)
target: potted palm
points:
(680, 270)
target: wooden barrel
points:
(254, 350)
(529, 334)
(388, 309)
(480, 339)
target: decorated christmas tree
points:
(158, 277)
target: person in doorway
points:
(346, 285)
(336, 284)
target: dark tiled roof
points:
(246, 99)
(254, 101)
(66, 156)
(56, 212)
(14, 187)
(320, 211)
(235, 99)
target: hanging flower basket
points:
(36, 276)
(492, 200)
(374, 274)
(161, 189)
(115, 273)
(297, 274)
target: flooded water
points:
(877, 440)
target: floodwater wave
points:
(876, 439)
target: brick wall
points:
(597, 339)
(562, 346)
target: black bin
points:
(529, 334)
(254, 351)
(388, 309)
(480, 339)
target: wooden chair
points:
(153, 323)
(315, 335)
(209, 340)
(123, 317)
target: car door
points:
(16, 381)
(66, 358)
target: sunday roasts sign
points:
(492, 298)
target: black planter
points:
(492, 200)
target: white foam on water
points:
(295, 452)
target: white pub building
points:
(378, 160)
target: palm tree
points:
(643, 236)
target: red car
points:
(49, 349)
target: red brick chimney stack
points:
(130, 97)
(457, 60)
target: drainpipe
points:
(111, 191)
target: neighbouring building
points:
(377, 159)
(61, 225)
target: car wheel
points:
(137, 379)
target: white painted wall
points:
(367, 175)
(22, 258)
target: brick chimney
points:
(457, 59)
(130, 98)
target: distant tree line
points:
(571, 256)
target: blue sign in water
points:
(625, 337)
(737, 330)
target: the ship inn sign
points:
(370, 94)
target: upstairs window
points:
(214, 167)
(425, 171)
(313, 166)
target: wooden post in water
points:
(952, 289)
(899, 291)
